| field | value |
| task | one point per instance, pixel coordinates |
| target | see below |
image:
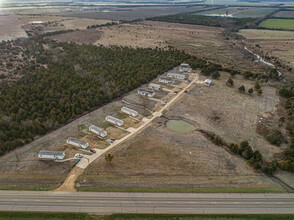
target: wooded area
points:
(65, 80)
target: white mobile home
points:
(51, 155)
(185, 69)
(129, 111)
(77, 143)
(154, 86)
(146, 92)
(98, 131)
(176, 75)
(165, 80)
(208, 82)
(185, 65)
(114, 120)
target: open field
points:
(131, 13)
(160, 159)
(284, 14)
(201, 41)
(228, 113)
(280, 24)
(274, 43)
(245, 3)
(240, 12)
(14, 26)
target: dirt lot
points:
(274, 43)
(159, 158)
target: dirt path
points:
(69, 183)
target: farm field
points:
(239, 12)
(274, 43)
(280, 24)
(284, 14)
(221, 2)
(129, 13)
(15, 26)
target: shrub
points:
(275, 137)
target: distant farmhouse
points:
(129, 111)
(165, 80)
(176, 75)
(98, 131)
(146, 92)
(114, 120)
(77, 143)
(154, 86)
(185, 67)
(51, 155)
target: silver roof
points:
(54, 153)
(76, 141)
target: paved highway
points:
(111, 202)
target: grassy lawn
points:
(28, 188)
(245, 190)
(82, 216)
(280, 24)
(41, 215)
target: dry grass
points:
(274, 43)
(158, 158)
(228, 113)
(201, 41)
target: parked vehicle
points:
(93, 151)
(113, 139)
(79, 155)
(110, 141)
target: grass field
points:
(284, 14)
(240, 12)
(212, 190)
(220, 2)
(280, 24)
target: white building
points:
(165, 80)
(51, 155)
(208, 82)
(77, 143)
(185, 69)
(185, 65)
(129, 111)
(154, 86)
(146, 92)
(98, 131)
(176, 75)
(114, 120)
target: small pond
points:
(180, 126)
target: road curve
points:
(177, 203)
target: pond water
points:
(180, 126)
